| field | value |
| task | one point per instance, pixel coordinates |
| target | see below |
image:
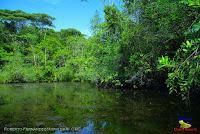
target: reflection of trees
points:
(33, 104)
(73, 105)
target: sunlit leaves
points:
(184, 73)
(165, 62)
(192, 3)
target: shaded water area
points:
(80, 108)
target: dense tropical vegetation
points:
(141, 44)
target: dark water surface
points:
(80, 108)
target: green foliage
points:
(123, 50)
(192, 3)
(165, 62)
(18, 16)
(32, 52)
(184, 73)
(15, 71)
(95, 23)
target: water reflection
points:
(80, 105)
(89, 129)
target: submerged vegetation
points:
(142, 44)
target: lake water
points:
(80, 108)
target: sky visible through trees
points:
(135, 44)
